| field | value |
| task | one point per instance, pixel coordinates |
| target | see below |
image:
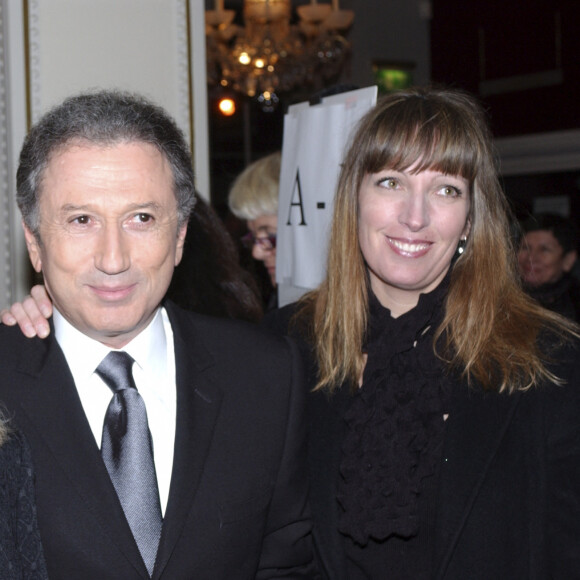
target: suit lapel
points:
(476, 426)
(50, 401)
(198, 405)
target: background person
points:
(442, 443)
(254, 197)
(547, 254)
(105, 186)
(209, 279)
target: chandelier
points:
(270, 54)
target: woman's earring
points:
(461, 245)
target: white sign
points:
(315, 139)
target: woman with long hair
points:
(444, 431)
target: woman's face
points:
(409, 229)
(262, 227)
(541, 258)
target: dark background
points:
(522, 59)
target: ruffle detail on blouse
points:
(395, 423)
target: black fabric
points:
(237, 505)
(403, 558)
(562, 296)
(395, 423)
(506, 499)
(21, 554)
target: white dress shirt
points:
(154, 374)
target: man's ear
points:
(33, 246)
(180, 243)
(569, 260)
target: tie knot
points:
(115, 370)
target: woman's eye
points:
(450, 191)
(389, 183)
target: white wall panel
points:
(50, 49)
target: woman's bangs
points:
(435, 143)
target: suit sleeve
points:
(287, 546)
(563, 501)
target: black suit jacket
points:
(238, 499)
(508, 504)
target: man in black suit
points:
(105, 187)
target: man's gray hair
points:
(102, 118)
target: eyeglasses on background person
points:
(267, 242)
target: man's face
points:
(108, 239)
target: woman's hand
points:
(31, 314)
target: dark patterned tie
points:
(128, 454)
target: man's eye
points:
(81, 220)
(143, 217)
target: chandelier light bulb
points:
(314, 50)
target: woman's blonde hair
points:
(255, 191)
(490, 327)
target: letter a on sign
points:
(313, 146)
(296, 202)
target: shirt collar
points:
(84, 354)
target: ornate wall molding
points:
(49, 50)
(5, 188)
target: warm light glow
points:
(272, 51)
(267, 10)
(227, 106)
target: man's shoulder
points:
(23, 361)
(221, 331)
(14, 345)
(239, 355)
(278, 320)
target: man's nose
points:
(112, 253)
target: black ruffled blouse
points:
(395, 424)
